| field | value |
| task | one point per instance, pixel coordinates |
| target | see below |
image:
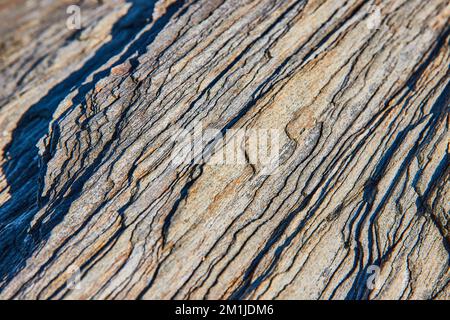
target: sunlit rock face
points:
(224, 149)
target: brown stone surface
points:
(358, 90)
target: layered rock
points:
(356, 208)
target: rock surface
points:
(357, 207)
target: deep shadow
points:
(22, 168)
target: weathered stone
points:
(357, 206)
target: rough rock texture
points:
(360, 91)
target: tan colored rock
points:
(356, 206)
